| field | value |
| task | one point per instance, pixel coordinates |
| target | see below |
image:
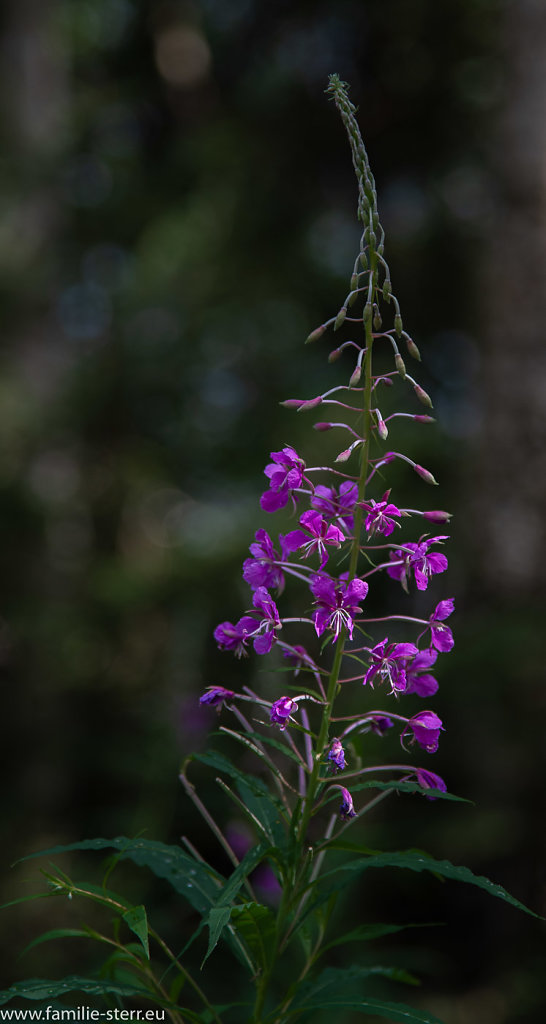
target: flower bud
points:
(310, 404)
(382, 429)
(322, 426)
(364, 260)
(355, 376)
(424, 419)
(316, 334)
(437, 516)
(354, 282)
(413, 350)
(343, 456)
(387, 289)
(351, 298)
(398, 325)
(400, 364)
(340, 318)
(424, 473)
(422, 395)
(292, 403)
(367, 312)
(334, 354)
(377, 321)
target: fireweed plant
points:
(308, 786)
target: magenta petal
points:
(444, 609)
(264, 643)
(272, 501)
(294, 540)
(442, 638)
(424, 685)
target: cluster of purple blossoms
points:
(337, 605)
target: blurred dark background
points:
(178, 214)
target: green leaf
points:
(57, 933)
(255, 794)
(396, 1012)
(415, 861)
(249, 862)
(136, 920)
(220, 914)
(196, 881)
(370, 932)
(47, 988)
(342, 982)
(406, 787)
(218, 919)
(256, 925)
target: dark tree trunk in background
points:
(509, 471)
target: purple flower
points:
(441, 636)
(347, 808)
(231, 637)
(336, 602)
(380, 518)
(426, 728)
(316, 534)
(419, 681)
(429, 780)
(389, 661)
(262, 570)
(285, 474)
(215, 695)
(281, 710)
(336, 755)
(419, 560)
(336, 505)
(262, 631)
(380, 723)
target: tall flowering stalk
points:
(349, 522)
(349, 533)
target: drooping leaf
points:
(57, 933)
(345, 981)
(395, 1012)
(414, 860)
(137, 921)
(370, 932)
(406, 787)
(196, 881)
(47, 988)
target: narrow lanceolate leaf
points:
(192, 879)
(220, 914)
(344, 982)
(57, 933)
(47, 988)
(218, 919)
(136, 920)
(395, 1012)
(255, 795)
(370, 932)
(249, 862)
(406, 787)
(415, 861)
